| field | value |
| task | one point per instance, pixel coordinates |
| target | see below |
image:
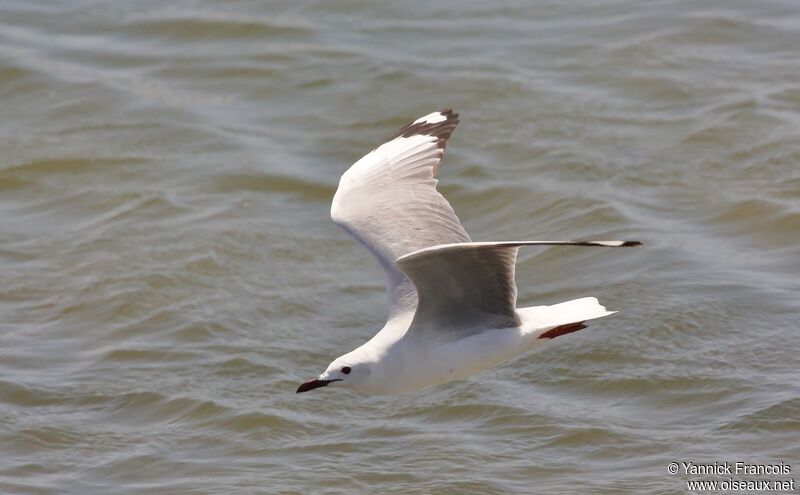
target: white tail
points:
(541, 319)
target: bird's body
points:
(452, 302)
(408, 361)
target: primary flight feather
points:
(452, 302)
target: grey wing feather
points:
(464, 287)
(469, 287)
(388, 201)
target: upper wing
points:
(470, 287)
(388, 200)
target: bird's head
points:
(347, 370)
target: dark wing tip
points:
(441, 126)
(631, 244)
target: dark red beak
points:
(315, 383)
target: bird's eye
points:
(346, 370)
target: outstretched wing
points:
(388, 200)
(469, 287)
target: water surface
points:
(169, 271)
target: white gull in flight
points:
(452, 302)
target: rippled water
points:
(169, 271)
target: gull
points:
(452, 302)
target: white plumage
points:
(452, 302)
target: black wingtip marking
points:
(440, 130)
(631, 244)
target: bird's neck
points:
(391, 333)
